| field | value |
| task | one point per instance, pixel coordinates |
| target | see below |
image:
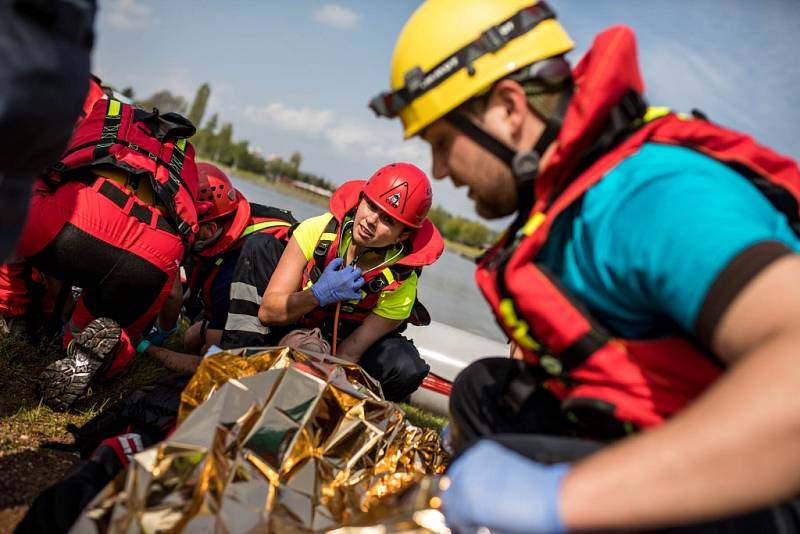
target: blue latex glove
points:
(336, 284)
(157, 336)
(494, 487)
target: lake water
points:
(447, 288)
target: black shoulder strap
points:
(269, 212)
(400, 273)
(323, 246)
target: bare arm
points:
(734, 449)
(196, 343)
(175, 361)
(282, 303)
(371, 330)
(168, 315)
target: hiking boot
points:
(91, 352)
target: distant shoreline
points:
(465, 251)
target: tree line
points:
(214, 141)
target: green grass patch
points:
(280, 187)
(25, 421)
(463, 250)
(423, 418)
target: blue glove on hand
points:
(336, 285)
(494, 487)
(157, 336)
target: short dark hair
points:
(542, 81)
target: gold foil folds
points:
(272, 440)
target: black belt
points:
(144, 214)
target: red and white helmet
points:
(217, 197)
(403, 191)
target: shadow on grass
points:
(26, 423)
(21, 408)
(28, 472)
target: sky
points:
(297, 75)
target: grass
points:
(463, 250)
(26, 422)
(423, 418)
(281, 187)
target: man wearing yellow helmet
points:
(648, 281)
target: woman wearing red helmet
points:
(360, 262)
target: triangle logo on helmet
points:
(396, 196)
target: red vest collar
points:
(233, 229)
(602, 77)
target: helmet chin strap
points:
(524, 164)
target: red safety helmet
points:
(217, 196)
(403, 191)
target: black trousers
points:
(393, 360)
(480, 407)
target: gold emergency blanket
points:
(273, 440)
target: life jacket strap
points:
(142, 213)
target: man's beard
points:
(200, 245)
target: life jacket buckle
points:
(185, 228)
(322, 248)
(376, 284)
(551, 365)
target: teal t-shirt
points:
(645, 244)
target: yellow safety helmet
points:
(452, 50)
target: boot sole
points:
(100, 337)
(66, 380)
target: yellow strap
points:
(113, 108)
(181, 144)
(655, 112)
(519, 328)
(533, 223)
(260, 226)
(389, 275)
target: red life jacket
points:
(598, 377)
(248, 219)
(423, 248)
(95, 93)
(145, 145)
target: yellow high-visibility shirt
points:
(395, 304)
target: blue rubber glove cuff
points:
(492, 486)
(319, 295)
(143, 346)
(158, 336)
